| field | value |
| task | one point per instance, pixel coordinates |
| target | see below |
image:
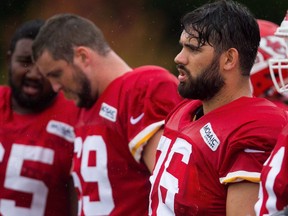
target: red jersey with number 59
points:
(35, 158)
(109, 171)
(197, 159)
(273, 193)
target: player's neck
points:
(225, 96)
(112, 67)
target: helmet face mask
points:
(271, 47)
(279, 66)
(279, 72)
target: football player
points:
(122, 119)
(212, 150)
(270, 47)
(36, 136)
(274, 176)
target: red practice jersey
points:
(273, 194)
(197, 159)
(281, 104)
(36, 152)
(109, 172)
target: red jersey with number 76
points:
(198, 159)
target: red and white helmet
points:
(279, 66)
(271, 47)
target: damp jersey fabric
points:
(274, 187)
(36, 153)
(109, 173)
(198, 159)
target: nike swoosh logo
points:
(134, 121)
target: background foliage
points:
(141, 31)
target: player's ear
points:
(82, 55)
(230, 59)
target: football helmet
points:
(279, 66)
(270, 46)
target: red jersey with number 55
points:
(273, 193)
(109, 172)
(197, 159)
(36, 153)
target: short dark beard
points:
(86, 100)
(205, 86)
(34, 104)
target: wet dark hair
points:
(27, 30)
(62, 32)
(225, 24)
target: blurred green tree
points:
(141, 31)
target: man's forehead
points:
(45, 62)
(46, 59)
(188, 37)
(46, 55)
(24, 46)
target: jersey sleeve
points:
(247, 150)
(154, 95)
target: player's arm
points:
(73, 201)
(241, 198)
(149, 151)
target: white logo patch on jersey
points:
(61, 129)
(210, 137)
(108, 112)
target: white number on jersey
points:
(96, 174)
(2, 151)
(14, 180)
(168, 180)
(275, 164)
